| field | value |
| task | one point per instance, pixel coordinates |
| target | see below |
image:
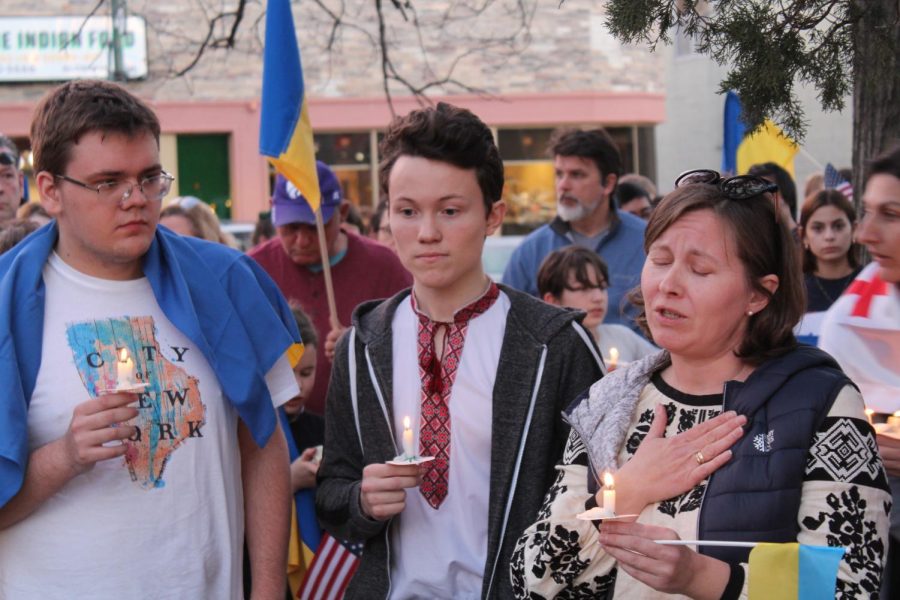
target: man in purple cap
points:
(361, 269)
(12, 180)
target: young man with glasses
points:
(141, 368)
(12, 180)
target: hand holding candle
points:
(409, 450)
(410, 453)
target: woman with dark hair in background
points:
(732, 432)
(830, 258)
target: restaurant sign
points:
(68, 47)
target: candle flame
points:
(614, 354)
(869, 412)
(608, 480)
(405, 422)
(897, 413)
(123, 354)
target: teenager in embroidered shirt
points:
(862, 329)
(720, 292)
(483, 372)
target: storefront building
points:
(563, 70)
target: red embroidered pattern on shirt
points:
(437, 381)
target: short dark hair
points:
(263, 228)
(764, 247)
(553, 275)
(810, 206)
(887, 163)
(594, 144)
(304, 324)
(626, 192)
(781, 178)
(79, 107)
(448, 134)
(6, 142)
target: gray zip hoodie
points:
(546, 360)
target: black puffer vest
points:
(756, 496)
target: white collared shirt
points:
(441, 553)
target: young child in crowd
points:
(308, 429)
(576, 277)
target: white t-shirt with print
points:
(166, 520)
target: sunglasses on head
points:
(741, 187)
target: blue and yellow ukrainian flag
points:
(793, 572)
(742, 149)
(285, 135)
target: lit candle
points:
(124, 371)
(609, 494)
(869, 412)
(409, 450)
(613, 358)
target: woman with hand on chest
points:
(731, 432)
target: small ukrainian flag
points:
(793, 572)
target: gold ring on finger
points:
(700, 458)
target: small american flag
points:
(834, 181)
(331, 569)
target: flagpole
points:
(326, 269)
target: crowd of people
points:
(722, 351)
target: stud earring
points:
(749, 313)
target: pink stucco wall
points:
(240, 119)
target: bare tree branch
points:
(228, 41)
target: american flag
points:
(332, 567)
(834, 181)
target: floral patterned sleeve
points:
(846, 500)
(560, 556)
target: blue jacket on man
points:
(622, 248)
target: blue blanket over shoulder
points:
(220, 299)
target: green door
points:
(203, 170)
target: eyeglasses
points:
(741, 187)
(113, 192)
(7, 159)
